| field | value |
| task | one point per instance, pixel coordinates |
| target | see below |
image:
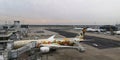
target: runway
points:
(106, 50)
(98, 42)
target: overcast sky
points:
(61, 11)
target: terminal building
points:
(13, 32)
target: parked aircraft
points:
(114, 32)
(117, 32)
(90, 29)
(94, 30)
(46, 45)
(76, 28)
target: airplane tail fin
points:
(79, 37)
(51, 38)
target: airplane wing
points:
(51, 38)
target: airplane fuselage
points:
(66, 42)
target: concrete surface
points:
(91, 53)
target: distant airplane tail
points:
(79, 37)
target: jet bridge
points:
(9, 54)
(5, 45)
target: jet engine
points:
(44, 49)
(81, 49)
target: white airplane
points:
(46, 45)
(117, 32)
(94, 30)
(76, 28)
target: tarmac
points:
(110, 48)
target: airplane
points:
(117, 32)
(94, 30)
(90, 29)
(76, 28)
(46, 45)
(114, 32)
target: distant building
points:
(13, 32)
(17, 25)
(5, 35)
